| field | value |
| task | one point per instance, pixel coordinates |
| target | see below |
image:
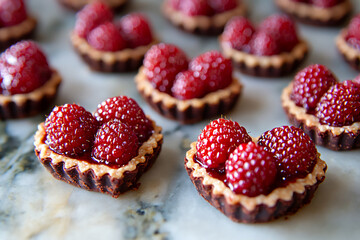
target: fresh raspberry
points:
(354, 28)
(340, 105)
(310, 84)
(162, 62)
(91, 16)
(218, 140)
(70, 130)
(250, 170)
(106, 37)
(24, 68)
(136, 30)
(219, 6)
(126, 110)
(283, 30)
(264, 44)
(213, 68)
(195, 8)
(115, 144)
(325, 3)
(187, 86)
(238, 32)
(293, 150)
(354, 42)
(12, 12)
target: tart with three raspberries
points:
(348, 43)
(111, 46)
(187, 91)
(317, 12)
(202, 16)
(254, 180)
(77, 5)
(273, 49)
(28, 85)
(15, 23)
(327, 110)
(105, 152)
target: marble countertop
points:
(33, 205)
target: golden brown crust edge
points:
(193, 110)
(350, 55)
(97, 177)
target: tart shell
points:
(28, 104)
(203, 25)
(350, 54)
(335, 138)
(13, 34)
(266, 66)
(98, 177)
(192, 110)
(239, 208)
(310, 14)
(126, 60)
(77, 5)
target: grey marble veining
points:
(33, 205)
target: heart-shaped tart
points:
(110, 46)
(317, 12)
(187, 92)
(15, 23)
(27, 83)
(254, 180)
(202, 16)
(106, 152)
(348, 43)
(327, 110)
(77, 5)
(273, 49)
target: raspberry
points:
(250, 170)
(354, 42)
(340, 105)
(195, 8)
(354, 28)
(106, 37)
(283, 30)
(213, 68)
(162, 62)
(218, 140)
(264, 44)
(325, 3)
(219, 6)
(310, 84)
(70, 130)
(24, 68)
(238, 32)
(135, 29)
(115, 144)
(12, 12)
(293, 150)
(187, 86)
(91, 16)
(357, 79)
(127, 111)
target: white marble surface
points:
(33, 205)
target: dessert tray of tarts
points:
(250, 179)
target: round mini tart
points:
(95, 176)
(76, 5)
(266, 66)
(206, 25)
(311, 14)
(15, 33)
(125, 60)
(280, 202)
(350, 54)
(335, 138)
(32, 103)
(190, 110)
